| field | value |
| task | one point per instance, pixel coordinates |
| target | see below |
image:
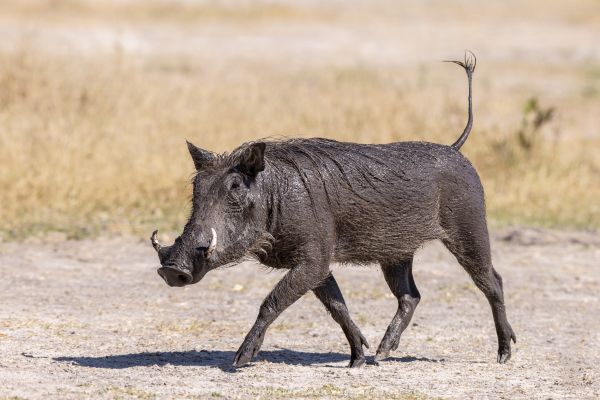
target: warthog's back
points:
(379, 199)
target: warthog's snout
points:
(174, 276)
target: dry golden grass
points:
(99, 144)
(96, 143)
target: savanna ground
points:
(92, 319)
(97, 99)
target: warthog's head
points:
(227, 219)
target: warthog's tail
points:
(469, 65)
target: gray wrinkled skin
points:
(302, 204)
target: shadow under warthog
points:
(211, 358)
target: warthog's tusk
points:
(155, 242)
(213, 243)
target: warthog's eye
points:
(235, 182)
(201, 251)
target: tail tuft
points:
(468, 64)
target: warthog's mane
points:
(325, 165)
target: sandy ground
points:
(93, 319)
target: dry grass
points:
(96, 143)
(99, 144)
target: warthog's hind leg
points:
(473, 253)
(400, 280)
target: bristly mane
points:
(328, 165)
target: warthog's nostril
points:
(183, 278)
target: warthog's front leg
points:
(330, 295)
(290, 288)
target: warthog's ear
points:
(252, 159)
(199, 156)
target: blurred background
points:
(97, 99)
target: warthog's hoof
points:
(357, 362)
(382, 355)
(249, 349)
(246, 353)
(388, 344)
(504, 349)
(503, 355)
(242, 359)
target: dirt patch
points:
(92, 318)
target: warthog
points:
(301, 204)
